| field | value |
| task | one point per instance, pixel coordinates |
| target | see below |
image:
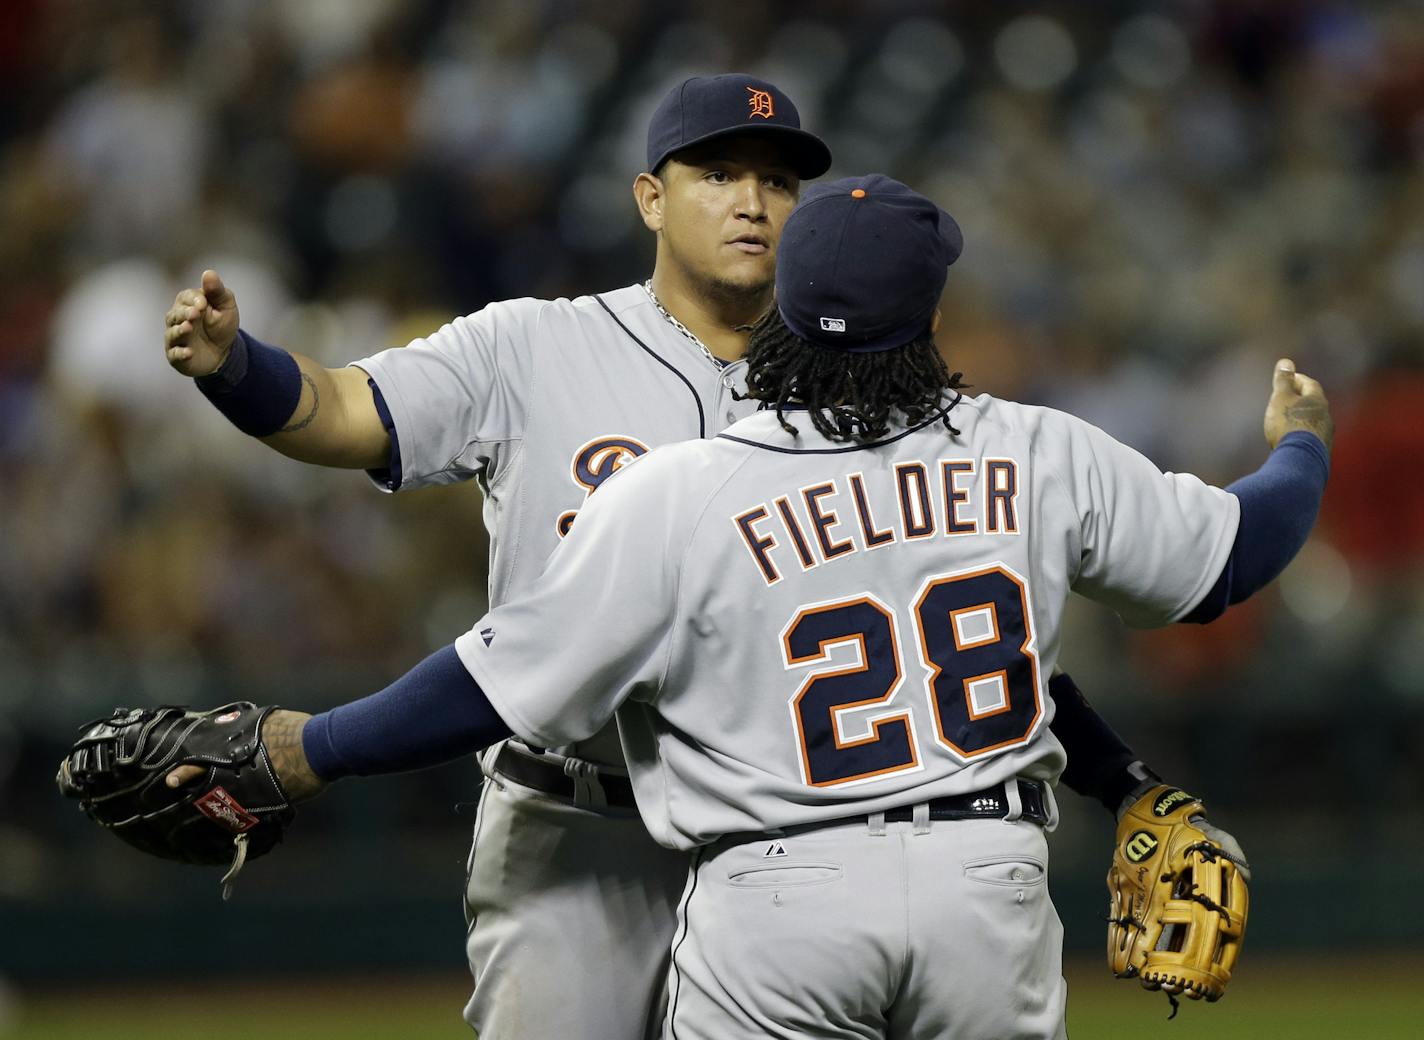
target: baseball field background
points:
(1294, 998)
(1158, 200)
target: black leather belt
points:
(982, 805)
(549, 777)
(989, 804)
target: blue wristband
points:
(257, 387)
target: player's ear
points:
(934, 322)
(649, 194)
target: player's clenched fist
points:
(200, 327)
(1297, 403)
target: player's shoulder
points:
(689, 464)
(680, 477)
(593, 307)
(1014, 417)
(531, 310)
(504, 315)
(618, 301)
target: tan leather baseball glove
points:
(1178, 897)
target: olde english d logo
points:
(760, 104)
(1140, 846)
(594, 463)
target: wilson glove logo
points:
(1140, 846)
(1169, 801)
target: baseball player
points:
(824, 635)
(541, 402)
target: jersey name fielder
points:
(853, 627)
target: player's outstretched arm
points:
(308, 412)
(220, 786)
(1280, 501)
(433, 714)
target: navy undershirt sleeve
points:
(1279, 503)
(390, 477)
(1097, 757)
(434, 713)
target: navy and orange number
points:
(974, 636)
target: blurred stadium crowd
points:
(1158, 200)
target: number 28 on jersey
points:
(965, 638)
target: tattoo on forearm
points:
(282, 736)
(306, 420)
(1312, 416)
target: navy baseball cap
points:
(861, 264)
(704, 108)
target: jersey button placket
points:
(729, 384)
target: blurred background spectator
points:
(1158, 199)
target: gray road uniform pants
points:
(931, 930)
(560, 899)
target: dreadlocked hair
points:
(847, 396)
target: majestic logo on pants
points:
(595, 462)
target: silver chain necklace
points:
(716, 361)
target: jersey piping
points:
(849, 447)
(677, 946)
(696, 397)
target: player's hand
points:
(200, 327)
(1297, 403)
(282, 737)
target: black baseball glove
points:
(236, 810)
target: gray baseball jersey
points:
(540, 401)
(792, 629)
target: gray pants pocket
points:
(1010, 871)
(784, 875)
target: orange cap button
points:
(858, 193)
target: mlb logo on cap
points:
(870, 251)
